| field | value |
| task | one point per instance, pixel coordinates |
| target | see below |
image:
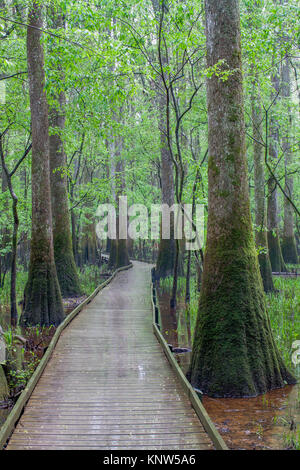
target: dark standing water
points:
(4, 412)
(263, 422)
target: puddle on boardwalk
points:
(248, 423)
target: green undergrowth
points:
(20, 285)
(91, 276)
(284, 312)
(293, 267)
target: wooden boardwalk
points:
(108, 384)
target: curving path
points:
(108, 384)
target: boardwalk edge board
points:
(201, 412)
(11, 421)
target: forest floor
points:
(270, 421)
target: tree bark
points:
(118, 256)
(62, 237)
(43, 303)
(166, 250)
(289, 249)
(122, 257)
(234, 353)
(259, 183)
(275, 253)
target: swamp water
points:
(263, 422)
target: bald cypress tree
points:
(43, 303)
(167, 247)
(234, 353)
(259, 184)
(61, 220)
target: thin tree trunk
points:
(234, 353)
(5, 237)
(13, 264)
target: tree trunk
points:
(5, 234)
(13, 266)
(122, 258)
(275, 253)
(62, 237)
(43, 303)
(234, 353)
(112, 262)
(166, 250)
(88, 250)
(118, 248)
(259, 183)
(289, 249)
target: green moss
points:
(165, 259)
(42, 297)
(224, 193)
(112, 262)
(234, 354)
(212, 166)
(275, 254)
(266, 272)
(65, 266)
(122, 254)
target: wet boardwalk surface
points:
(108, 384)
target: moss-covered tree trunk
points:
(167, 247)
(62, 237)
(275, 252)
(289, 249)
(112, 261)
(88, 247)
(234, 354)
(118, 256)
(122, 257)
(43, 303)
(259, 188)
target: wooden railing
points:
(189, 390)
